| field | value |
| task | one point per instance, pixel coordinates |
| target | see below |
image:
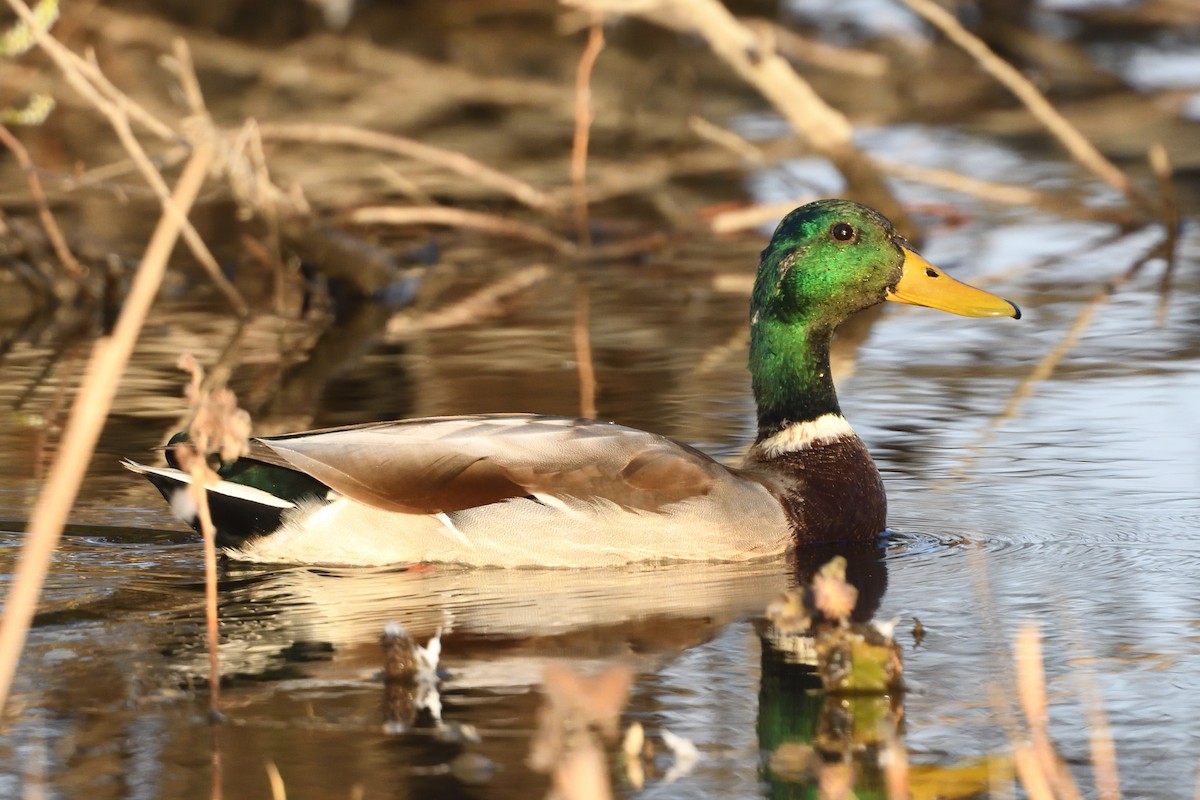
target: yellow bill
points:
(923, 284)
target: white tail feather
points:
(226, 488)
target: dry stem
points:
(53, 233)
(1050, 361)
(278, 789)
(200, 475)
(752, 57)
(723, 137)
(87, 78)
(481, 304)
(1160, 163)
(1031, 688)
(1076, 144)
(448, 159)
(119, 109)
(583, 124)
(740, 219)
(216, 425)
(87, 418)
(1065, 203)
(895, 769)
(458, 218)
(852, 61)
(583, 354)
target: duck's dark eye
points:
(842, 231)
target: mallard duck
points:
(522, 490)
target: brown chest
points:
(830, 491)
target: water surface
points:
(1072, 502)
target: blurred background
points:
(1044, 471)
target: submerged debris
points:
(849, 656)
(411, 678)
(831, 689)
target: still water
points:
(1076, 508)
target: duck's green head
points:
(827, 260)
(831, 258)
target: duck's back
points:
(509, 490)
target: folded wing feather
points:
(445, 464)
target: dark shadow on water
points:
(866, 570)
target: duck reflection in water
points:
(810, 734)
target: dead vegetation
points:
(137, 127)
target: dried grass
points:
(753, 57)
(583, 125)
(88, 414)
(583, 354)
(480, 305)
(65, 257)
(459, 218)
(459, 163)
(1075, 143)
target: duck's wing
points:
(444, 464)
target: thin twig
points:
(727, 139)
(405, 185)
(1006, 193)
(278, 790)
(448, 159)
(583, 125)
(1076, 144)
(458, 218)
(99, 177)
(486, 302)
(753, 216)
(1100, 741)
(86, 77)
(191, 237)
(810, 50)
(188, 80)
(119, 109)
(752, 56)
(649, 173)
(87, 418)
(268, 207)
(583, 354)
(215, 425)
(1031, 689)
(53, 232)
(1160, 163)
(200, 476)
(740, 219)
(1035, 782)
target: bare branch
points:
(583, 124)
(88, 414)
(408, 148)
(458, 218)
(751, 55)
(1076, 144)
(53, 232)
